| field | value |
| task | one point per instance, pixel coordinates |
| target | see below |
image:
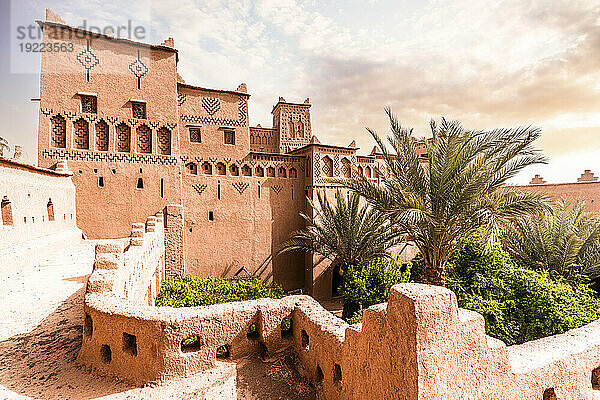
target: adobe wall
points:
(419, 345)
(36, 202)
(116, 72)
(235, 222)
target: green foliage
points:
(456, 192)
(355, 319)
(286, 325)
(564, 242)
(191, 340)
(518, 304)
(190, 291)
(344, 230)
(370, 283)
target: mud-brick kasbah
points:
(170, 178)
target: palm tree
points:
(344, 232)
(3, 146)
(457, 191)
(566, 241)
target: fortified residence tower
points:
(138, 138)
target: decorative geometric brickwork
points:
(240, 186)
(196, 119)
(277, 188)
(199, 188)
(195, 135)
(211, 105)
(181, 99)
(336, 165)
(81, 134)
(59, 154)
(242, 110)
(139, 69)
(164, 141)
(123, 138)
(88, 60)
(346, 168)
(144, 139)
(59, 131)
(214, 106)
(46, 111)
(89, 104)
(138, 110)
(102, 136)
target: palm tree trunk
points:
(434, 274)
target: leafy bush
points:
(370, 283)
(518, 304)
(190, 291)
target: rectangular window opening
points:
(229, 136)
(140, 183)
(195, 135)
(100, 181)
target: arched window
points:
(346, 168)
(81, 134)
(164, 141)
(271, 172)
(206, 168)
(59, 131)
(282, 172)
(191, 168)
(259, 171)
(221, 169)
(144, 139)
(123, 138)
(234, 170)
(368, 172)
(102, 136)
(246, 170)
(360, 170)
(50, 210)
(327, 166)
(293, 173)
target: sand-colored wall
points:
(419, 345)
(30, 191)
(64, 77)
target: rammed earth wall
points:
(419, 345)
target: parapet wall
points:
(35, 202)
(419, 345)
(37, 212)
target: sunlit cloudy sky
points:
(486, 63)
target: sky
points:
(488, 64)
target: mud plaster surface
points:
(40, 336)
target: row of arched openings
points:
(123, 144)
(220, 168)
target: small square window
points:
(229, 136)
(89, 104)
(195, 135)
(138, 110)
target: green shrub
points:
(190, 291)
(518, 304)
(370, 283)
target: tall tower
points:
(292, 122)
